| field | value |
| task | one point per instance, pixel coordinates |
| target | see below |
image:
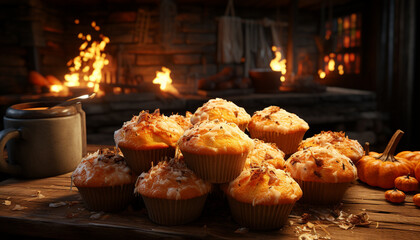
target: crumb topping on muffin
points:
(215, 137)
(276, 119)
(171, 180)
(337, 140)
(264, 186)
(265, 153)
(221, 109)
(103, 168)
(318, 164)
(148, 131)
(183, 121)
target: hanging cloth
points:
(230, 39)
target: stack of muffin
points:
(178, 160)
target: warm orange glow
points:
(278, 64)
(56, 88)
(331, 65)
(340, 69)
(86, 69)
(282, 79)
(321, 74)
(163, 78)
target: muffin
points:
(104, 181)
(265, 153)
(337, 140)
(276, 125)
(148, 138)
(221, 109)
(215, 150)
(262, 198)
(183, 121)
(172, 193)
(323, 174)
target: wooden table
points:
(50, 208)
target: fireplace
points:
(319, 45)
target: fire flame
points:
(163, 78)
(278, 64)
(86, 69)
(56, 88)
(165, 81)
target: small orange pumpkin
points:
(416, 199)
(406, 183)
(380, 170)
(395, 196)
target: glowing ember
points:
(86, 69)
(163, 78)
(278, 64)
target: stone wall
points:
(42, 36)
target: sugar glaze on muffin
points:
(149, 131)
(215, 137)
(171, 180)
(265, 153)
(276, 119)
(337, 140)
(318, 164)
(221, 109)
(103, 168)
(264, 186)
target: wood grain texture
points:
(38, 219)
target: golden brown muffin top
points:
(183, 121)
(338, 140)
(275, 119)
(221, 109)
(102, 168)
(265, 153)
(318, 164)
(148, 131)
(171, 180)
(215, 137)
(264, 186)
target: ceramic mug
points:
(41, 141)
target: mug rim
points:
(19, 111)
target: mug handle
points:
(5, 136)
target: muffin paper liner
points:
(322, 193)
(288, 143)
(111, 198)
(141, 160)
(243, 126)
(221, 168)
(174, 212)
(259, 217)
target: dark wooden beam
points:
(290, 55)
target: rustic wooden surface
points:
(37, 219)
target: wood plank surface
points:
(37, 218)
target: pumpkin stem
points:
(366, 148)
(388, 154)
